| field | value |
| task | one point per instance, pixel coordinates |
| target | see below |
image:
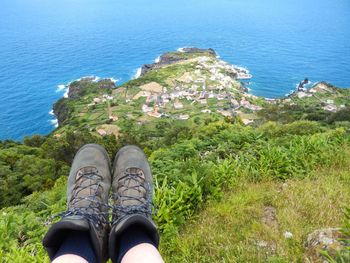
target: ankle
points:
(76, 244)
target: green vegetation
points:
(36, 164)
(160, 75)
(250, 164)
(248, 223)
(224, 192)
(311, 108)
(184, 55)
(289, 113)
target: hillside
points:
(269, 221)
(222, 158)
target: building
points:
(183, 117)
(155, 114)
(203, 101)
(225, 113)
(97, 100)
(146, 109)
(178, 105)
(107, 97)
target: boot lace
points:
(141, 203)
(86, 197)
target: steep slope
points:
(203, 132)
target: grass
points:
(235, 228)
(192, 166)
(275, 178)
(161, 75)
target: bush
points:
(342, 115)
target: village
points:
(211, 86)
(315, 93)
(211, 79)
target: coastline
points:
(205, 78)
(240, 73)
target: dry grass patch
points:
(152, 87)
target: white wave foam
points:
(65, 88)
(114, 80)
(138, 73)
(241, 68)
(157, 59)
(51, 113)
(92, 77)
(309, 84)
(65, 95)
(182, 49)
(60, 87)
(95, 78)
(290, 93)
(54, 122)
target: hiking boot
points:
(132, 196)
(87, 200)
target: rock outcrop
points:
(174, 57)
(63, 110)
(323, 240)
(79, 88)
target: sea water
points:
(45, 44)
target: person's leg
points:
(143, 253)
(71, 258)
(76, 246)
(81, 234)
(134, 236)
(136, 243)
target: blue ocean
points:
(48, 43)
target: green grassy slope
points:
(190, 172)
(249, 222)
(217, 180)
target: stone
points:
(327, 239)
(269, 218)
(287, 235)
(101, 132)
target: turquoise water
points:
(45, 43)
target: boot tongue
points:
(88, 186)
(132, 187)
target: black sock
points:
(130, 238)
(77, 243)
